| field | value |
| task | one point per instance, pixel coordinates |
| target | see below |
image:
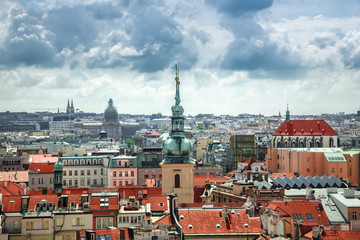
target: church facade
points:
(304, 134)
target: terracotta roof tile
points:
(127, 191)
(41, 158)
(165, 220)
(39, 198)
(42, 168)
(11, 189)
(236, 223)
(156, 201)
(113, 204)
(199, 180)
(14, 176)
(11, 203)
(305, 127)
(303, 207)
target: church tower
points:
(68, 108)
(58, 175)
(177, 167)
(72, 109)
(287, 114)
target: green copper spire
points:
(177, 148)
(287, 114)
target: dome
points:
(180, 147)
(58, 166)
(177, 110)
(111, 114)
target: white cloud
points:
(231, 60)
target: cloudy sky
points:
(234, 57)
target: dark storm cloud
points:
(247, 55)
(106, 10)
(142, 35)
(238, 8)
(27, 42)
(72, 27)
(252, 50)
(153, 34)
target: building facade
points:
(85, 171)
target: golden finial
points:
(177, 75)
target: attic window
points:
(161, 204)
(232, 211)
(298, 218)
(309, 217)
(12, 201)
(217, 225)
(182, 217)
(190, 226)
(246, 225)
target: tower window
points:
(177, 181)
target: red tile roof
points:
(114, 233)
(11, 203)
(335, 235)
(11, 188)
(232, 173)
(14, 176)
(113, 204)
(127, 191)
(155, 203)
(303, 207)
(198, 191)
(165, 220)
(305, 127)
(199, 180)
(42, 168)
(39, 198)
(275, 175)
(40, 158)
(75, 191)
(204, 221)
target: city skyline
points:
(234, 57)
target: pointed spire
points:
(287, 114)
(68, 107)
(72, 107)
(177, 95)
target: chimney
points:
(226, 212)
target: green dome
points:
(180, 147)
(58, 166)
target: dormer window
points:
(190, 226)
(161, 204)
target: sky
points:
(250, 56)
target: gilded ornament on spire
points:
(177, 75)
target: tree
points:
(129, 142)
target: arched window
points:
(177, 181)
